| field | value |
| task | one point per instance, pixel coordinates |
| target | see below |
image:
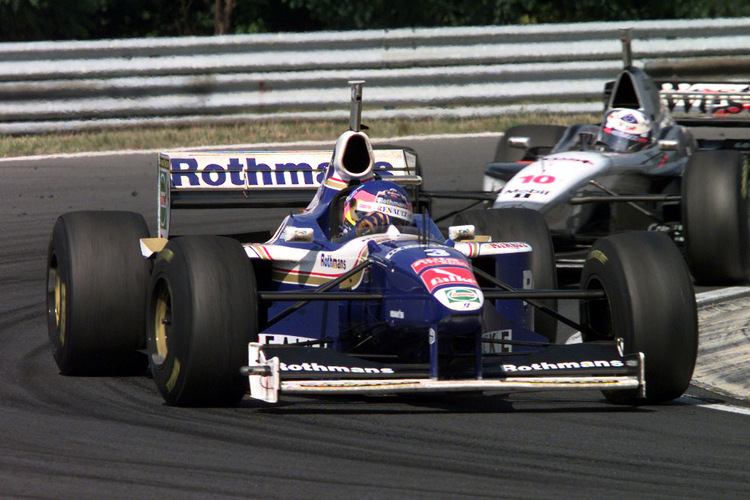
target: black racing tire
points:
(542, 138)
(529, 226)
(96, 291)
(715, 217)
(650, 305)
(201, 313)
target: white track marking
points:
(705, 403)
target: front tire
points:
(649, 304)
(529, 226)
(202, 313)
(96, 292)
(715, 217)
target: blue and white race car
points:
(355, 293)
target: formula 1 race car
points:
(355, 293)
(641, 168)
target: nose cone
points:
(551, 179)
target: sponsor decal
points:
(436, 277)
(246, 172)
(569, 365)
(461, 232)
(511, 245)
(303, 234)
(597, 255)
(462, 295)
(282, 339)
(460, 298)
(558, 158)
(327, 260)
(261, 169)
(172, 381)
(421, 264)
(527, 193)
(315, 367)
(706, 98)
(357, 383)
(165, 254)
(397, 314)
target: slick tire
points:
(201, 314)
(96, 291)
(715, 217)
(542, 138)
(649, 304)
(521, 224)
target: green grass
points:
(258, 132)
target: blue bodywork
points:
(409, 268)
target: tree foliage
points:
(24, 20)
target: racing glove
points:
(369, 222)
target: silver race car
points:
(652, 164)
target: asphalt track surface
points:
(68, 437)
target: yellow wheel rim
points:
(162, 321)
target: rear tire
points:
(650, 304)
(715, 217)
(96, 292)
(542, 138)
(202, 313)
(520, 224)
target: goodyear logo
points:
(598, 255)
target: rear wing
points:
(255, 179)
(708, 103)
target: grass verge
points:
(260, 132)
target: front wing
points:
(326, 372)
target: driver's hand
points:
(369, 222)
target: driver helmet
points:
(376, 203)
(626, 130)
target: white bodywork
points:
(548, 179)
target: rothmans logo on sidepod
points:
(327, 260)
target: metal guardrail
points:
(413, 73)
